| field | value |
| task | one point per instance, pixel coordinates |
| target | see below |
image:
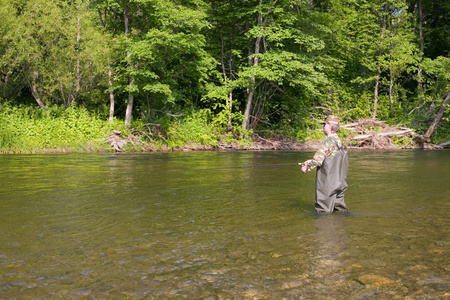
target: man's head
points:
(331, 124)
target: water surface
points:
(186, 225)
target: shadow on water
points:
(186, 225)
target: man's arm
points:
(322, 152)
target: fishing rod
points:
(256, 166)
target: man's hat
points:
(332, 119)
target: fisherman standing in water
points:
(332, 164)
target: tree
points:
(273, 46)
(11, 81)
(402, 52)
(254, 64)
(163, 57)
(438, 77)
(59, 50)
(130, 67)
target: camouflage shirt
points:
(327, 148)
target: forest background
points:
(166, 74)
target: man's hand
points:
(305, 166)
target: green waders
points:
(331, 184)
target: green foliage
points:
(402, 141)
(163, 62)
(300, 60)
(194, 128)
(442, 133)
(60, 52)
(27, 129)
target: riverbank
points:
(364, 134)
(132, 143)
(77, 132)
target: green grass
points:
(27, 129)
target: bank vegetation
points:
(128, 75)
(67, 130)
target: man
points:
(331, 162)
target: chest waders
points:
(331, 182)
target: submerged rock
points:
(436, 283)
(377, 280)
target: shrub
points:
(27, 129)
(193, 128)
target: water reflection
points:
(328, 258)
(326, 274)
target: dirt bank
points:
(364, 134)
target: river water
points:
(203, 225)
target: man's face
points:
(326, 128)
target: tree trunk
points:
(34, 90)
(249, 92)
(230, 107)
(77, 75)
(380, 52)
(129, 111)
(438, 117)
(391, 73)
(101, 18)
(421, 42)
(252, 61)
(111, 94)
(391, 80)
(72, 97)
(391, 90)
(229, 100)
(110, 78)
(375, 94)
(248, 106)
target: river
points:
(206, 225)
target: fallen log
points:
(420, 138)
(444, 145)
(366, 136)
(377, 134)
(403, 132)
(361, 137)
(438, 116)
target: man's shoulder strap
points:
(337, 143)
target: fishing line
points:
(256, 166)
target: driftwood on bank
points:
(117, 141)
(366, 133)
(374, 134)
(444, 145)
